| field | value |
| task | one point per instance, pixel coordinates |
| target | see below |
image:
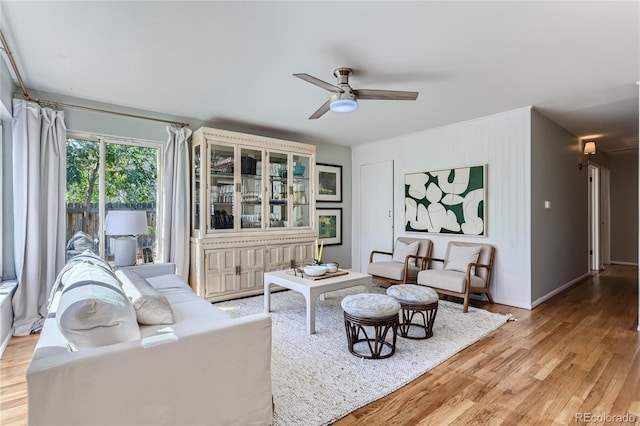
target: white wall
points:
(340, 156)
(78, 120)
(559, 235)
(501, 141)
(624, 208)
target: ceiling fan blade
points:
(389, 95)
(320, 111)
(311, 79)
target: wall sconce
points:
(589, 150)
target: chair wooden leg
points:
(489, 296)
(465, 307)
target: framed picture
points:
(449, 201)
(329, 226)
(328, 182)
(147, 254)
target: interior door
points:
(376, 209)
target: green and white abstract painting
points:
(450, 201)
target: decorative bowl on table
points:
(331, 267)
(314, 270)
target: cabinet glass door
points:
(197, 165)
(301, 191)
(278, 191)
(250, 188)
(221, 187)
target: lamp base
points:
(125, 251)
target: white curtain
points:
(176, 200)
(39, 184)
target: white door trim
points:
(594, 218)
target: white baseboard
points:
(615, 262)
(557, 290)
(516, 305)
(484, 298)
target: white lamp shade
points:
(590, 148)
(126, 222)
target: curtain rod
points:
(43, 102)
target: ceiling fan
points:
(345, 99)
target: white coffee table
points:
(311, 289)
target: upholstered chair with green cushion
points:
(467, 269)
(403, 264)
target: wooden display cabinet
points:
(252, 210)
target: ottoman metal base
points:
(376, 344)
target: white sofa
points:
(205, 369)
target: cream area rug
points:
(316, 380)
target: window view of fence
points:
(88, 221)
(130, 183)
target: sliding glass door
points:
(104, 176)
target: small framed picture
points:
(329, 226)
(147, 255)
(328, 183)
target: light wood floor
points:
(579, 352)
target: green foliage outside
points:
(130, 173)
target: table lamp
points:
(126, 225)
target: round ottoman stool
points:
(415, 300)
(377, 312)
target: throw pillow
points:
(460, 257)
(88, 257)
(83, 242)
(402, 250)
(151, 306)
(93, 311)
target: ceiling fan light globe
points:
(343, 105)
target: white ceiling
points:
(231, 63)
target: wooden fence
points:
(76, 212)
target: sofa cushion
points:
(447, 280)
(402, 250)
(459, 257)
(151, 306)
(413, 294)
(191, 312)
(370, 305)
(93, 310)
(391, 270)
(174, 289)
